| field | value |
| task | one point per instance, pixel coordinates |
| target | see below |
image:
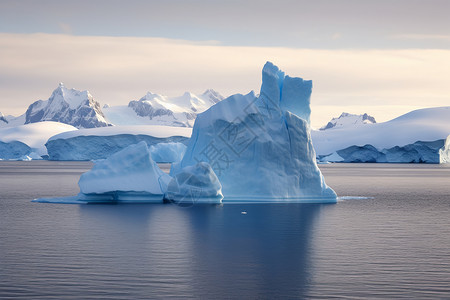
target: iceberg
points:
(260, 151)
(26, 142)
(167, 152)
(14, 150)
(128, 175)
(195, 184)
(131, 176)
(444, 152)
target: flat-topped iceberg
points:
(259, 150)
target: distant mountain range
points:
(79, 109)
(155, 109)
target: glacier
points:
(444, 152)
(259, 151)
(100, 143)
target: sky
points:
(380, 57)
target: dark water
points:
(394, 245)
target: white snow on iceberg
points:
(259, 151)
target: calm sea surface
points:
(395, 244)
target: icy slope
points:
(33, 135)
(259, 151)
(99, 143)
(429, 124)
(155, 109)
(67, 106)
(348, 120)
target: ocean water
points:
(394, 242)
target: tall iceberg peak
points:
(289, 93)
(260, 149)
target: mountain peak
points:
(347, 119)
(68, 106)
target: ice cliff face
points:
(177, 111)
(346, 119)
(67, 106)
(100, 143)
(14, 150)
(258, 149)
(444, 152)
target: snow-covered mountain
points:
(155, 109)
(346, 119)
(397, 135)
(69, 106)
(3, 119)
(11, 121)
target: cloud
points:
(65, 28)
(118, 69)
(435, 37)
